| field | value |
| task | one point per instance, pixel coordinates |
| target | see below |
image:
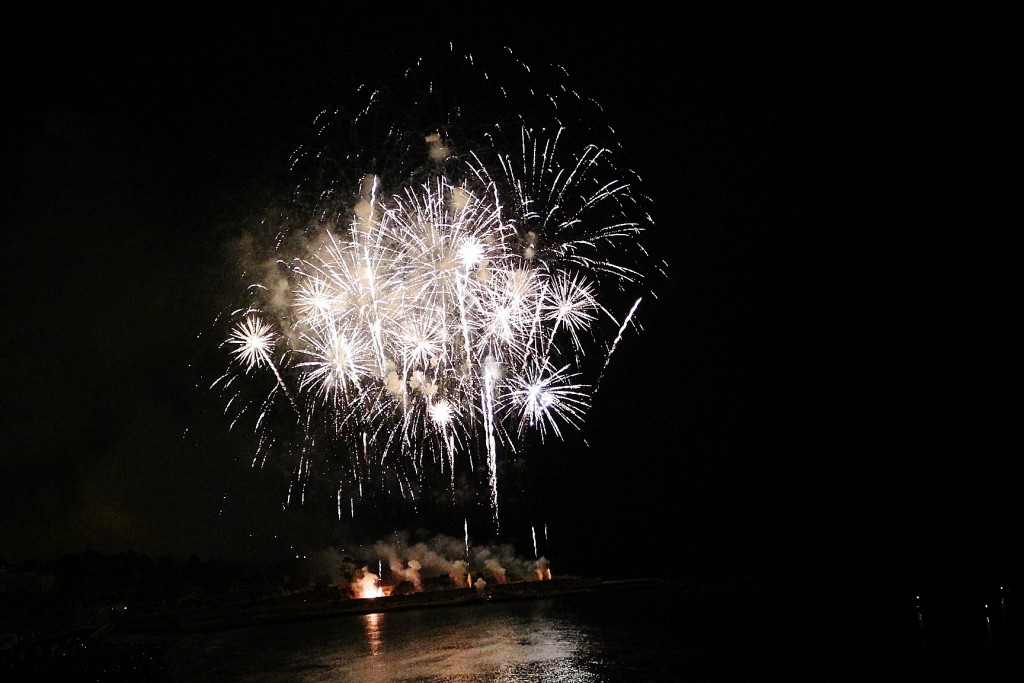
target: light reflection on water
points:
(650, 634)
(474, 644)
(373, 624)
(516, 641)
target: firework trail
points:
(434, 293)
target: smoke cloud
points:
(441, 562)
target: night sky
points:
(824, 382)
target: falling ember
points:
(446, 296)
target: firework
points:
(449, 292)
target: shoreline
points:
(308, 607)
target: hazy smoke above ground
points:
(424, 563)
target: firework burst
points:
(450, 289)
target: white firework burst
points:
(448, 301)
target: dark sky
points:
(825, 380)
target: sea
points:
(627, 632)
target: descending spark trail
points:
(618, 337)
(441, 297)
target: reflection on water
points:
(922, 633)
(373, 623)
(468, 645)
(665, 633)
(536, 640)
